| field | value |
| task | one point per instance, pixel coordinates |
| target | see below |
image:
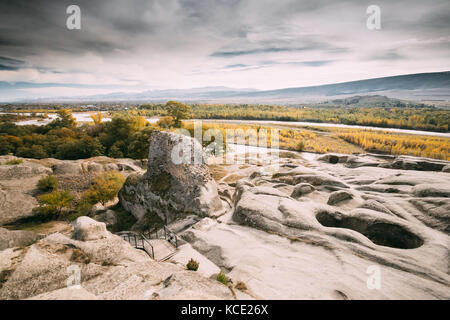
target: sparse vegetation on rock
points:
(222, 278)
(13, 162)
(192, 265)
(48, 183)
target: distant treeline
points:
(429, 119)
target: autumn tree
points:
(105, 187)
(97, 117)
(178, 111)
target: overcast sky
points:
(263, 44)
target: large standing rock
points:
(177, 181)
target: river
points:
(86, 117)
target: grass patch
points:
(13, 162)
(222, 277)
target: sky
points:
(135, 45)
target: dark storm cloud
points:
(11, 64)
(35, 27)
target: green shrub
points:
(300, 146)
(84, 208)
(221, 277)
(52, 204)
(13, 162)
(48, 183)
(105, 188)
(192, 265)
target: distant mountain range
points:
(420, 86)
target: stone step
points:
(161, 247)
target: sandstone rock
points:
(95, 167)
(109, 217)
(179, 287)
(398, 220)
(109, 267)
(22, 171)
(420, 164)
(111, 167)
(171, 189)
(333, 158)
(16, 202)
(375, 206)
(69, 168)
(86, 229)
(433, 212)
(17, 189)
(339, 196)
(302, 189)
(16, 238)
(431, 190)
(130, 165)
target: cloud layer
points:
(264, 44)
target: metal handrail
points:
(133, 239)
(138, 240)
(162, 233)
(171, 236)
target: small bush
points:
(192, 265)
(13, 162)
(221, 277)
(105, 188)
(300, 146)
(83, 208)
(48, 183)
(52, 204)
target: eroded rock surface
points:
(316, 226)
(281, 236)
(16, 238)
(109, 267)
(18, 183)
